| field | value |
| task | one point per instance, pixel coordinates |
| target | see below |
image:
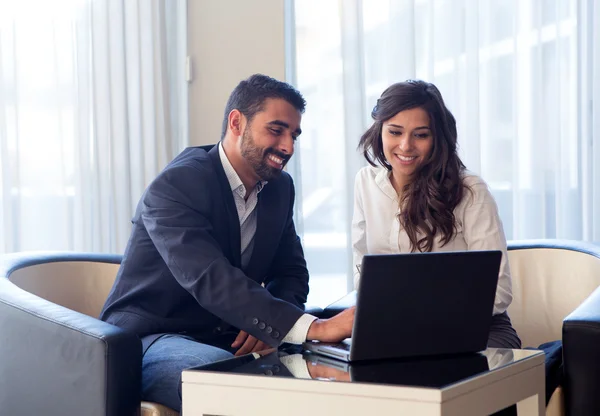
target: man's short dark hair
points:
(250, 94)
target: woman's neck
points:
(398, 183)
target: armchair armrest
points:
(55, 361)
(339, 305)
(581, 358)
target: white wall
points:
(229, 40)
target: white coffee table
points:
(264, 387)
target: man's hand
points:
(334, 329)
(248, 344)
(317, 371)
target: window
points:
(516, 75)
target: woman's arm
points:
(482, 230)
(359, 240)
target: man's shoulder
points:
(191, 172)
(283, 182)
(192, 156)
(285, 178)
(192, 160)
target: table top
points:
(427, 372)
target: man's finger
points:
(260, 346)
(266, 351)
(248, 346)
(239, 340)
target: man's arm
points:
(334, 329)
(288, 280)
(176, 212)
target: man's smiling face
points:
(268, 140)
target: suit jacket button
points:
(261, 325)
(269, 330)
(255, 321)
(275, 334)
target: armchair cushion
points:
(78, 281)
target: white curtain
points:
(522, 78)
(93, 104)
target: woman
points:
(417, 195)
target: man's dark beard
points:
(257, 157)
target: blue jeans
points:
(164, 361)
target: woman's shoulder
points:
(471, 179)
(477, 188)
(370, 173)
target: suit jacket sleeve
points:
(176, 212)
(288, 277)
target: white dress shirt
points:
(376, 228)
(246, 209)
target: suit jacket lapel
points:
(233, 222)
(268, 216)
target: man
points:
(214, 264)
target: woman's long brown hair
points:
(429, 200)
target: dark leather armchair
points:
(56, 357)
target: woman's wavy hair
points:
(428, 201)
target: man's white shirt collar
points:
(234, 179)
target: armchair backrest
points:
(80, 282)
(550, 279)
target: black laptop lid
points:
(420, 304)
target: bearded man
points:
(214, 266)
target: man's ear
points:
(235, 122)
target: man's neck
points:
(241, 167)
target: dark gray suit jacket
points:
(181, 270)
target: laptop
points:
(420, 304)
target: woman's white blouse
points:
(376, 228)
